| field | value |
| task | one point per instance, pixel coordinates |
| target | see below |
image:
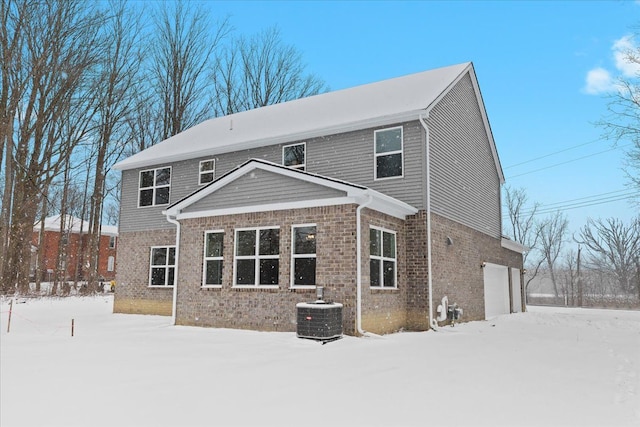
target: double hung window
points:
(213, 258)
(383, 259)
(163, 266)
(257, 260)
(295, 156)
(207, 171)
(154, 186)
(388, 153)
(303, 255)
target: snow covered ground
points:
(549, 366)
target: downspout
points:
(432, 320)
(359, 266)
(174, 305)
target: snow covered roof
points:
(353, 193)
(73, 225)
(380, 103)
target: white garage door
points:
(516, 290)
(496, 290)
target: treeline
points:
(84, 84)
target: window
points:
(112, 242)
(388, 153)
(213, 247)
(163, 266)
(303, 255)
(257, 257)
(295, 156)
(111, 263)
(207, 171)
(382, 248)
(154, 187)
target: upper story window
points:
(163, 266)
(207, 171)
(383, 259)
(154, 187)
(388, 153)
(213, 258)
(257, 260)
(303, 254)
(112, 242)
(295, 155)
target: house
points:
(70, 235)
(387, 195)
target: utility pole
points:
(579, 282)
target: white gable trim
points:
(354, 194)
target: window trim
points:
(154, 187)
(111, 263)
(205, 258)
(388, 153)
(166, 266)
(302, 166)
(112, 239)
(382, 259)
(212, 171)
(256, 256)
(294, 256)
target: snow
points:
(74, 225)
(368, 105)
(549, 366)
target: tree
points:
(184, 43)
(49, 48)
(614, 247)
(552, 233)
(622, 120)
(258, 71)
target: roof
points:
(353, 193)
(73, 225)
(375, 104)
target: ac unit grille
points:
(319, 320)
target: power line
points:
(568, 161)
(551, 154)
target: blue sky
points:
(543, 69)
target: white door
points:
(496, 290)
(516, 291)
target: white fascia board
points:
(513, 245)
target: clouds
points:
(599, 80)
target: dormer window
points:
(295, 155)
(207, 171)
(388, 153)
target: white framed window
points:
(162, 266)
(111, 263)
(388, 153)
(257, 256)
(303, 255)
(154, 187)
(112, 242)
(383, 259)
(206, 171)
(295, 155)
(213, 258)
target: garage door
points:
(496, 290)
(516, 291)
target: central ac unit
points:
(319, 320)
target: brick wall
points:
(133, 294)
(263, 308)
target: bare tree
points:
(522, 228)
(614, 247)
(185, 41)
(552, 232)
(56, 52)
(258, 71)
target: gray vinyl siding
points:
(465, 185)
(261, 187)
